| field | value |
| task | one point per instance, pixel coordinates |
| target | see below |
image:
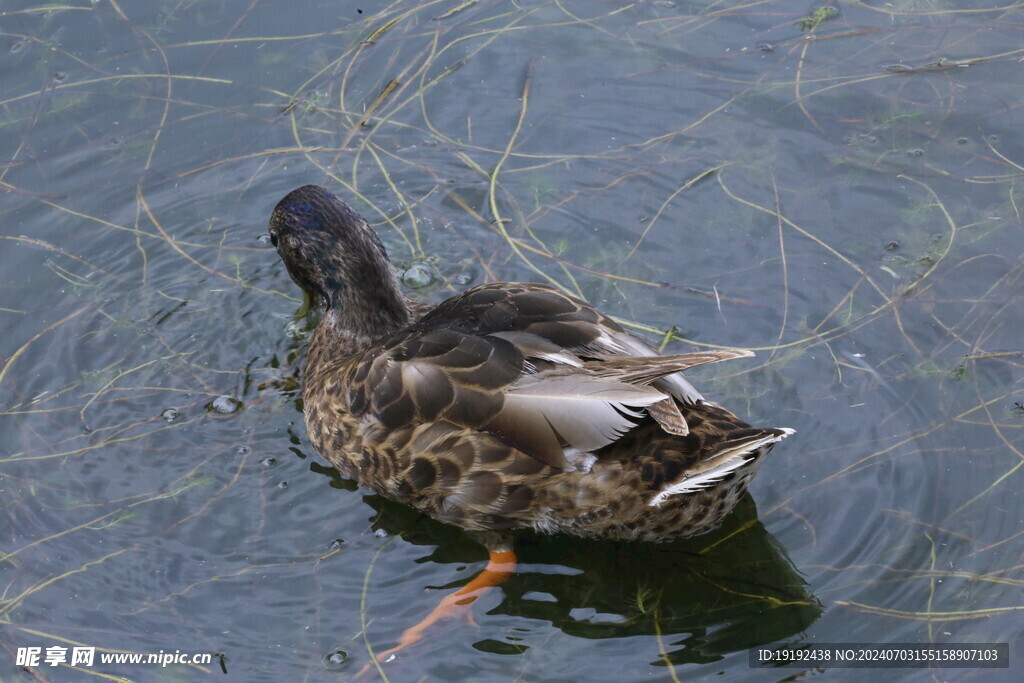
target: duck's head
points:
(325, 244)
(333, 254)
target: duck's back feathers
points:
(527, 364)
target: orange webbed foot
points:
(500, 566)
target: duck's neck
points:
(368, 306)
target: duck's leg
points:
(500, 566)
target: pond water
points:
(837, 187)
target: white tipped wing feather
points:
(663, 373)
(624, 358)
(544, 413)
(587, 405)
(648, 369)
(623, 344)
(680, 387)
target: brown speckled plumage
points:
(509, 406)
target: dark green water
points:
(844, 197)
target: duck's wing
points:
(485, 382)
(542, 371)
(548, 324)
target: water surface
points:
(839, 191)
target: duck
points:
(512, 405)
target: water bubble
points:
(170, 415)
(224, 405)
(419, 275)
(589, 615)
(17, 46)
(268, 461)
(282, 485)
(337, 543)
(264, 239)
(243, 450)
(766, 47)
(296, 329)
(380, 533)
(333, 661)
(916, 152)
(962, 141)
(463, 279)
(59, 77)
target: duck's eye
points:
(273, 239)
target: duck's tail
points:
(739, 450)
